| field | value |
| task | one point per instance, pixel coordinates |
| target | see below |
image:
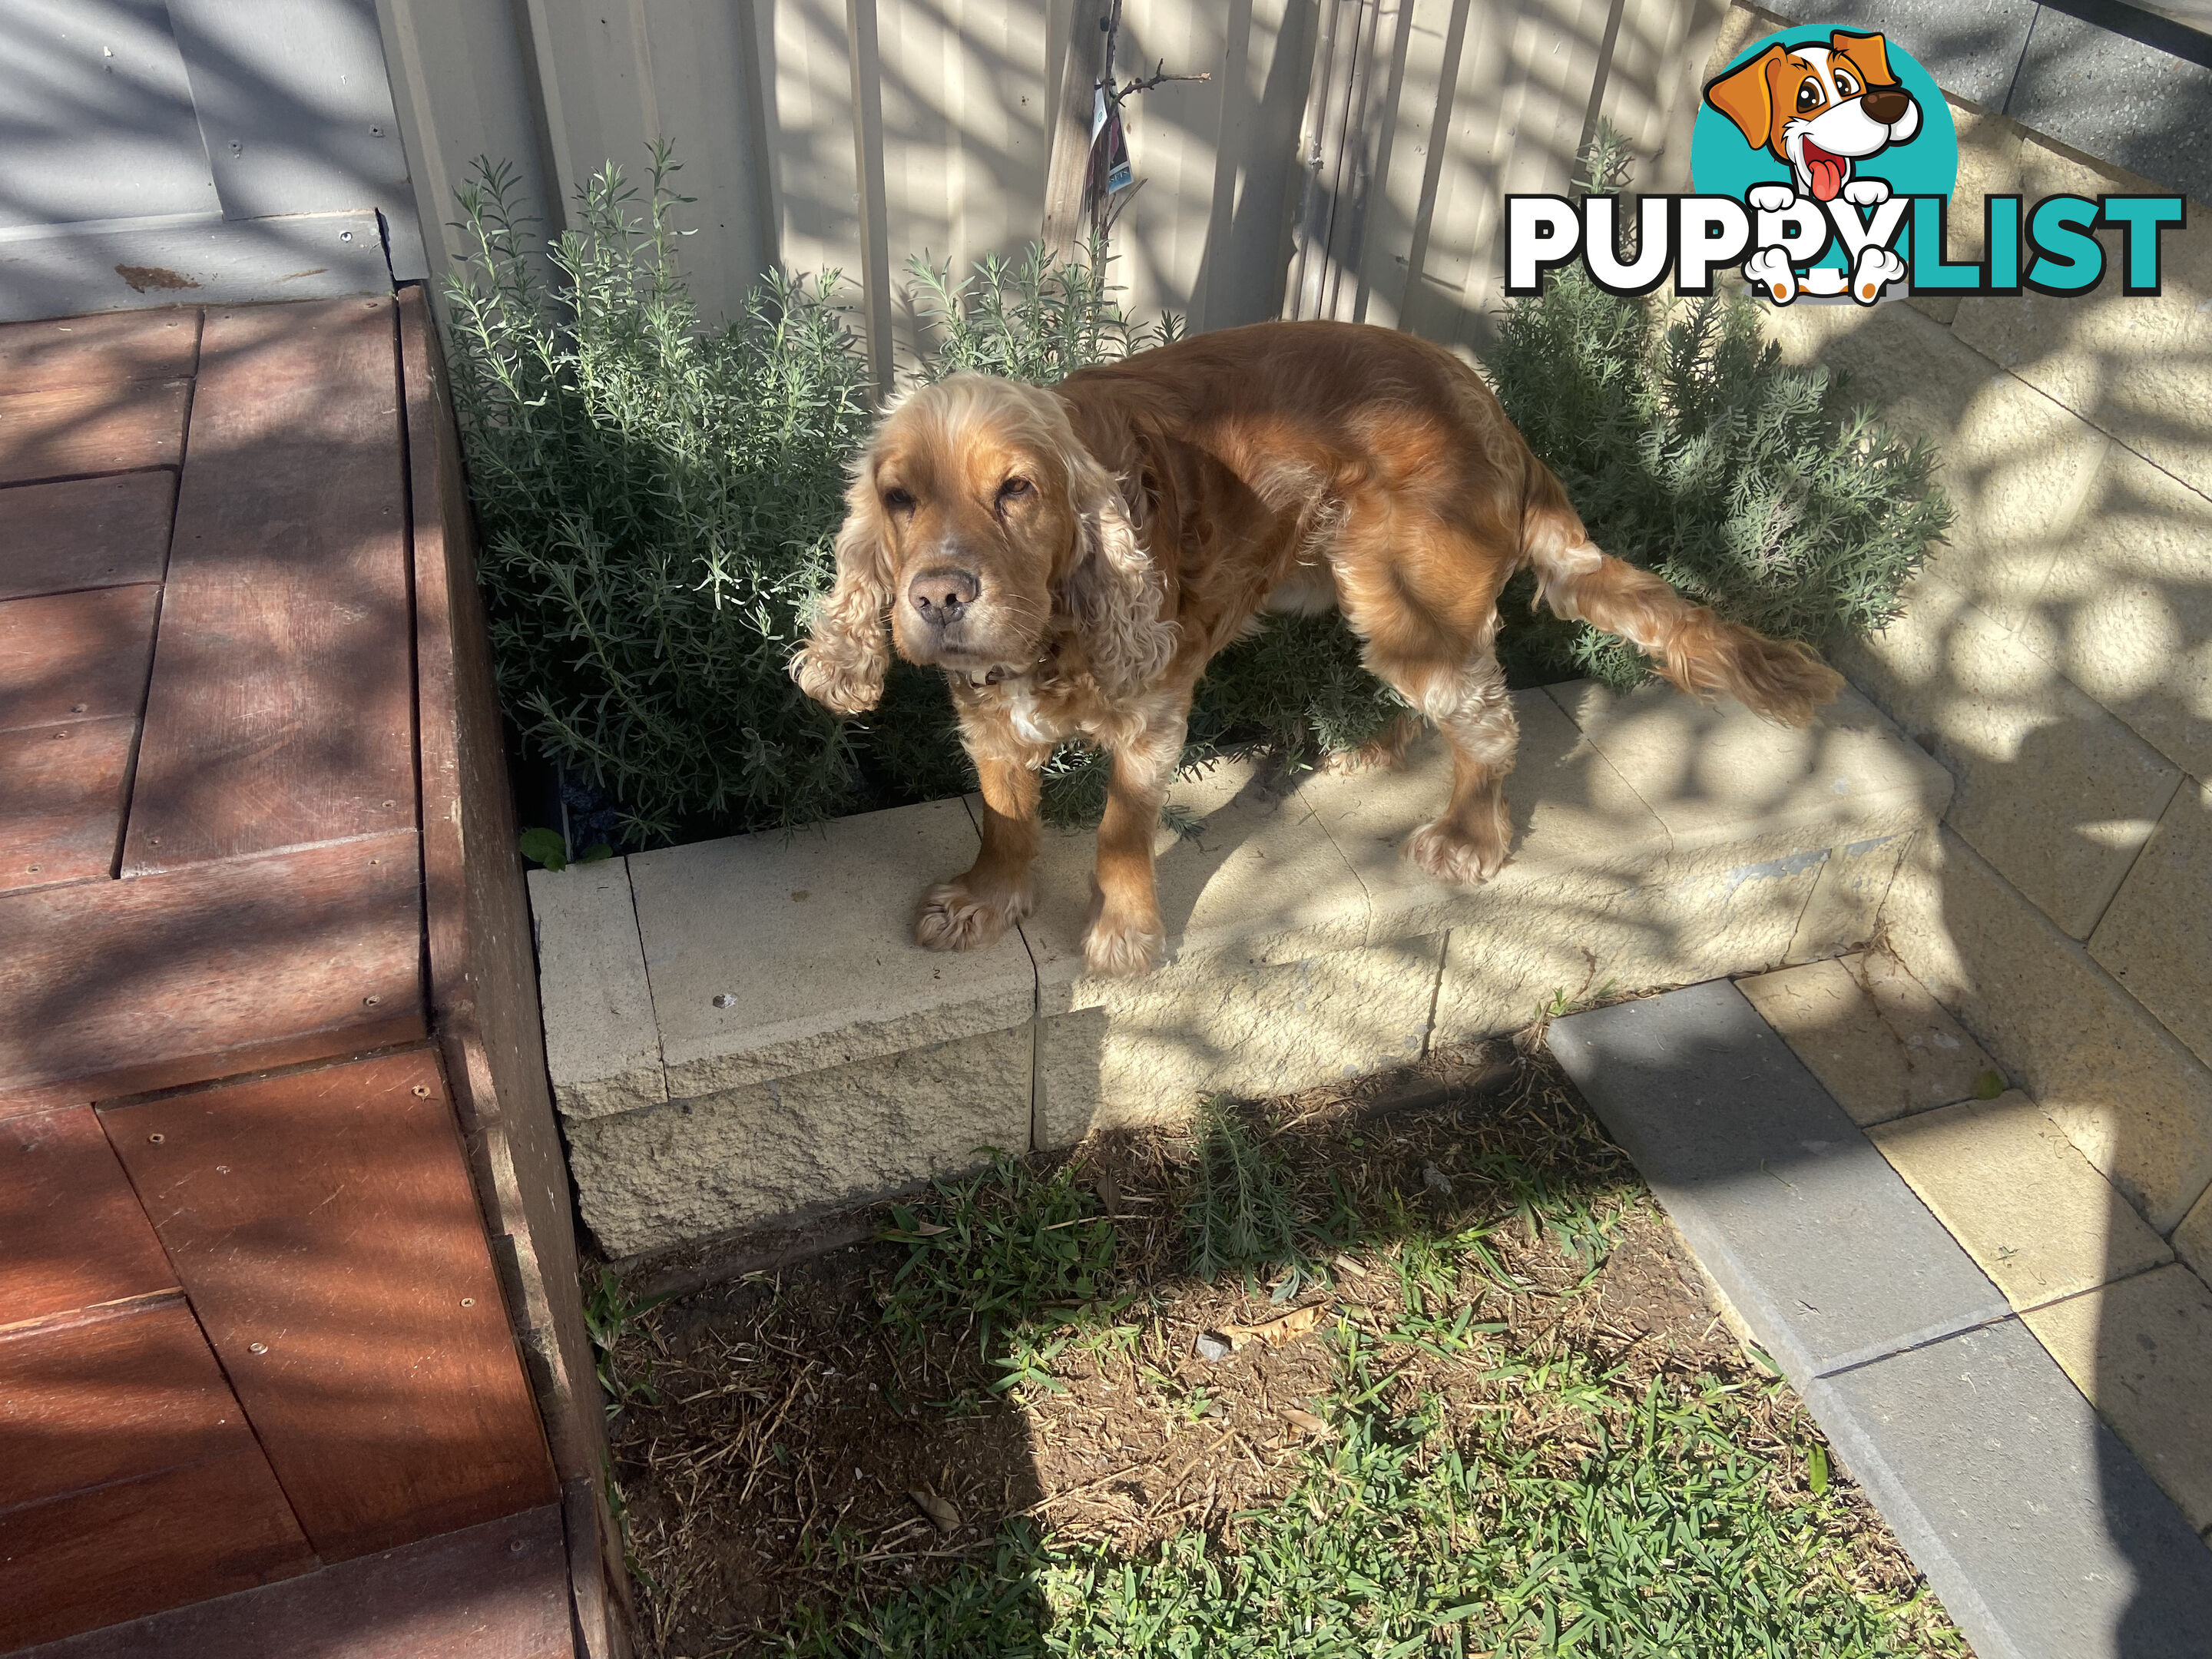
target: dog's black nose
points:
(1888, 105)
(941, 595)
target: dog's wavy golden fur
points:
(1073, 557)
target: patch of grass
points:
(1242, 1215)
(1660, 1534)
(609, 1311)
(1509, 1426)
(990, 1254)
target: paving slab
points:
(2103, 93)
(2137, 1102)
(1144, 1056)
(602, 1047)
(771, 955)
(2039, 1530)
(1821, 1247)
(2154, 939)
(1877, 1041)
(1970, 47)
(2028, 1207)
(2125, 606)
(1708, 771)
(1844, 910)
(2193, 1239)
(2054, 790)
(2142, 1350)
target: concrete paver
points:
(2024, 1203)
(2142, 1351)
(1813, 1237)
(1872, 1034)
(2039, 1531)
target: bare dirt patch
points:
(850, 1428)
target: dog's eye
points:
(899, 500)
(1808, 94)
(1013, 489)
(1845, 86)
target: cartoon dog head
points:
(1819, 108)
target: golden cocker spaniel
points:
(1073, 557)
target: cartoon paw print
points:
(1866, 192)
(1875, 269)
(1770, 268)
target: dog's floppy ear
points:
(843, 663)
(1113, 589)
(1866, 53)
(1744, 96)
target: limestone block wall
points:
(743, 1032)
(2056, 658)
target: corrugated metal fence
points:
(1346, 158)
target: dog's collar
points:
(1003, 672)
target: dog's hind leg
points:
(1423, 599)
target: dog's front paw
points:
(1120, 950)
(953, 917)
(841, 688)
(1866, 192)
(1770, 198)
(1451, 853)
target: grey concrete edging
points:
(2041, 1533)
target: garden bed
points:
(1514, 1421)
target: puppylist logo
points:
(1823, 161)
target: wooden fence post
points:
(1070, 165)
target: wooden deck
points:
(278, 1189)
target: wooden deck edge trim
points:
(480, 972)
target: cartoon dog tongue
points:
(1827, 171)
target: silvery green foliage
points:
(655, 501)
(1691, 449)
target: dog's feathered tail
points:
(1698, 650)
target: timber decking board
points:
(107, 350)
(111, 987)
(110, 1399)
(78, 431)
(71, 1233)
(281, 708)
(86, 533)
(61, 801)
(121, 1551)
(75, 656)
(495, 1591)
(323, 1226)
(271, 914)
